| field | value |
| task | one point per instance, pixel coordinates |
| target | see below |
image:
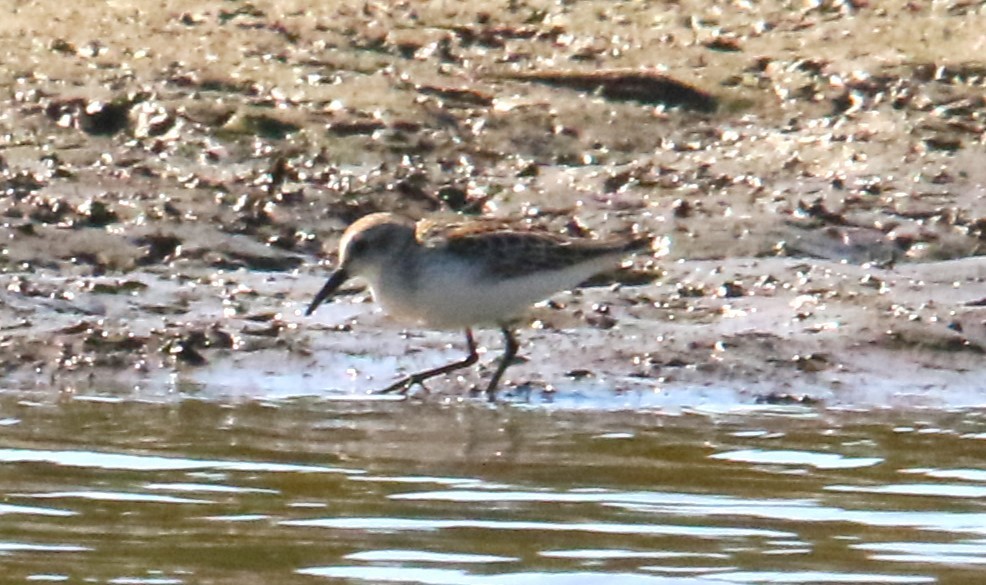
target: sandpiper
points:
(461, 275)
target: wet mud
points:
(174, 179)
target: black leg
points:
(404, 384)
(509, 351)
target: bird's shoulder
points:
(507, 249)
(483, 233)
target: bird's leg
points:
(509, 352)
(404, 384)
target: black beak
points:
(335, 281)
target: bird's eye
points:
(358, 247)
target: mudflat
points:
(175, 177)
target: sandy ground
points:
(175, 177)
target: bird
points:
(464, 274)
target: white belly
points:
(457, 295)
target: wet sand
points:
(175, 181)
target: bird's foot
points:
(477, 391)
(404, 385)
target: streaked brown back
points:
(514, 253)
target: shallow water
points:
(106, 489)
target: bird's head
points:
(367, 246)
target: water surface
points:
(122, 490)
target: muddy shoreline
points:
(175, 180)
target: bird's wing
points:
(512, 254)
(433, 234)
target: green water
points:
(123, 491)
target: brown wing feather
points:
(541, 251)
(435, 233)
(499, 241)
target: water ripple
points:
(120, 461)
(411, 524)
(419, 556)
(806, 458)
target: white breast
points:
(450, 293)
